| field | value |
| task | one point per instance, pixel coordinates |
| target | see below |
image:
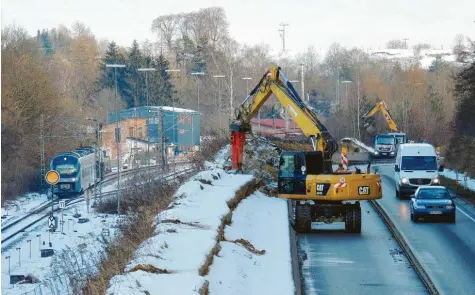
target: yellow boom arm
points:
(275, 82)
(380, 106)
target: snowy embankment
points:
(452, 174)
(189, 251)
(263, 222)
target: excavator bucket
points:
(370, 129)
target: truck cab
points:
(385, 146)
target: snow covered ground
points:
(83, 243)
(21, 206)
(181, 248)
(451, 174)
(77, 240)
(263, 222)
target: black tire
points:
(412, 216)
(398, 193)
(415, 218)
(452, 218)
(353, 219)
(303, 221)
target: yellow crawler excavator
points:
(306, 177)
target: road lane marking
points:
(464, 213)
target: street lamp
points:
(346, 82)
(219, 97)
(174, 127)
(247, 84)
(198, 74)
(117, 131)
(146, 70)
(199, 114)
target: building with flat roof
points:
(177, 127)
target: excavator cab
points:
(294, 166)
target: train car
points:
(77, 170)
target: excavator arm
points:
(368, 117)
(275, 82)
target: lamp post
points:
(219, 97)
(303, 92)
(117, 130)
(146, 70)
(196, 74)
(346, 82)
(174, 125)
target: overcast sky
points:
(361, 23)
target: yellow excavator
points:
(368, 119)
(306, 177)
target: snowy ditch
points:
(219, 236)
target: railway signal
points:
(52, 177)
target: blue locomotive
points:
(77, 170)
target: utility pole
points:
(42, 152)
(405, 42)
(196, 74)
(162, 138)
(117, 131)
(219, 97)
(146, 70)
(98, 161)
(175, 125)
(283, 25)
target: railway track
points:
(32, 218)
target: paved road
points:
(447, 251)
(366, 263)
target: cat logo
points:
(363, 190)
(319, 187)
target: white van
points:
(416, 165)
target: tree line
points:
(62, 70)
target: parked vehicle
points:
(433, 201)
(416, 165)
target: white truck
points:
(416, 165)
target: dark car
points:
(432, 201)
